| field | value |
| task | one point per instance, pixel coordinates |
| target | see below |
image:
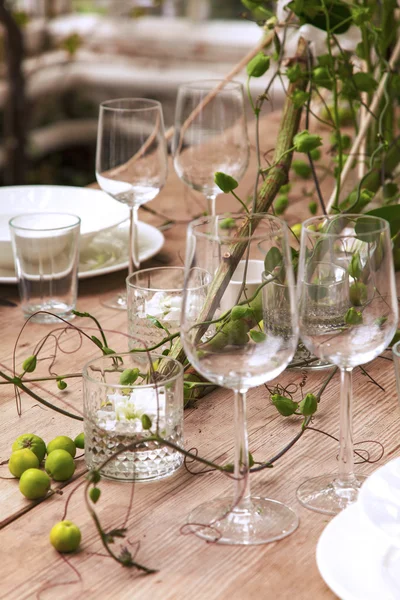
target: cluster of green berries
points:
(28, 453)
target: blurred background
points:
(60, 58)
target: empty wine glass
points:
(240, 338)
(210, 135)
(131, 161)
(347, 315)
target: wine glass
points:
(131, 161)
(347, 315)
(210, 135)
(240, 337)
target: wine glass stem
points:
(241, 467)
(346, 459)
(134, 262)
(211, 204)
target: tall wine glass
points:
(131, 161)
(347, 315)
(240, 337)
(210, 135)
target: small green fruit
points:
(21, 460)
(34, 484)
(60, 465)
(62, 442)
(31, 441)
(65, 536)
(79, 441)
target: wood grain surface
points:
(187, 566)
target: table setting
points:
(206, 406)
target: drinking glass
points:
(46, 253)
(210, 135)
(242, 344)
(347, 315)
(113, 411)
(155, 304)
(131, 161)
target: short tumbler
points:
(46, 252)
(155, 302)
(118, 390)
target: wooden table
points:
(187, 566)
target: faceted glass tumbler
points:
(155, 302)
(118, 390)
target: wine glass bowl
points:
(131, 161)
(210, 135)
(348, 315)
(231, 340)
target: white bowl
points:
(98, 212)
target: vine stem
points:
(366, 123)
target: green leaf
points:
(96, 340)
(257, 336)
(258, 65)
(251, 460)
(259, 12)
(353, 317)
(364, 82)
(146, 422)
(355, 268)
(29, 364)
(107, 350)
(129, 376)
(389, 213)
(308, 406)
(226, 183)
(273, 259)
(312, 12)
(94, 477)
(241, 312)
(284, 405)
(94, 494)
(294, 73)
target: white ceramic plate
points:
(108, 251)
(350, 558)
(379, 499)
(98, 212)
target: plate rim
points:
(120, 266)
(88, 190)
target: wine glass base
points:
(323, 494)
(262, 521)
(118, 302)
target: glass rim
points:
(224, 239)
(199, 85)
(396, 349)
(35, 214)
(119, 386)
(151, 104)
(352, 216)
(134, 286)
